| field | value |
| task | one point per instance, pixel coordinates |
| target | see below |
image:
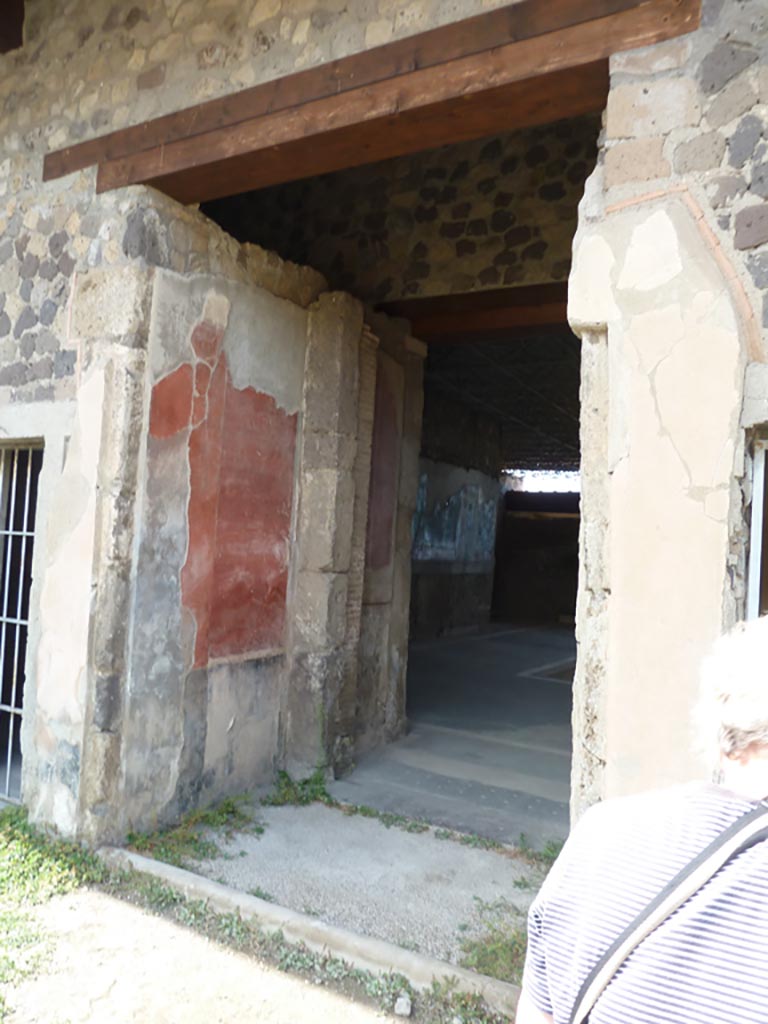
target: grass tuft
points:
(33, 868)
(499, 951)
(300, 792)
(187, 841)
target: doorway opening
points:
(19, 475)
(495, 567)
(470, 243)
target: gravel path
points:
(112, 963)
(416, 890)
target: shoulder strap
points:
(746, 831)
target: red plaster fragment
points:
(171, 405)
(204, 467)
(206, 340)
(202, 378)
(253, 528)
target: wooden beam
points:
(495, 313)
(485, 54)
(11, 25)
(523, 104)
(514, 23)
(201, 167)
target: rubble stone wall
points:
(488, 214)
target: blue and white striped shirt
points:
(706, 964)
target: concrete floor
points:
(489, 746)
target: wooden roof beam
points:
(294, 125)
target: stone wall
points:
(455, 521)
(392, 497)
(154, 690)
(226, 369)
(90, 66)
(668, 294)
(474, 215)
(453, 549)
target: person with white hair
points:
(656, 911)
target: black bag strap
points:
(746, 831)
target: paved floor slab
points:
(489, 746)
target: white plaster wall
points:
(676, 364)
(60, 604)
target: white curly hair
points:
(732, 716)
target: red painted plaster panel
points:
(171, 405)
(206, 340)
(384, 467)
(241, 457)
(254, 523)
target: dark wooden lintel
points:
(11, 25)
(483, 315)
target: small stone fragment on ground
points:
(403, 1005)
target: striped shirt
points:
(706, 964)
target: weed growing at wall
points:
(191, 839)
(300, 792)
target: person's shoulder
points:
(653, 805)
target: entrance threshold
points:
(489, 746)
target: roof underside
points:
(529, 384)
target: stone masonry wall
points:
(90, 66)
(668, 292)
(75, 274)
(475, 215)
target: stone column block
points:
(331, 383)
(320, 610)
(325, 520)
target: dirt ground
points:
(112, 963)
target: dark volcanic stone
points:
(744, 140)
(751, 228)
(723, 63)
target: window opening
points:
(19, 475)
(757, 580)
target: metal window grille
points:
(757, 576)
(19, 476)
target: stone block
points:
(331, 380)
(325, 520)
(723, 191)
(327, 450)
(319, 607)
(751, 227)
(759, 181)
(722, 63)
(735, 100)
(758, 268)
(701, 153)
(636, 160)
(743, 142)
(639, 110)
(112, 303)
(649, 60)
(755, 407)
